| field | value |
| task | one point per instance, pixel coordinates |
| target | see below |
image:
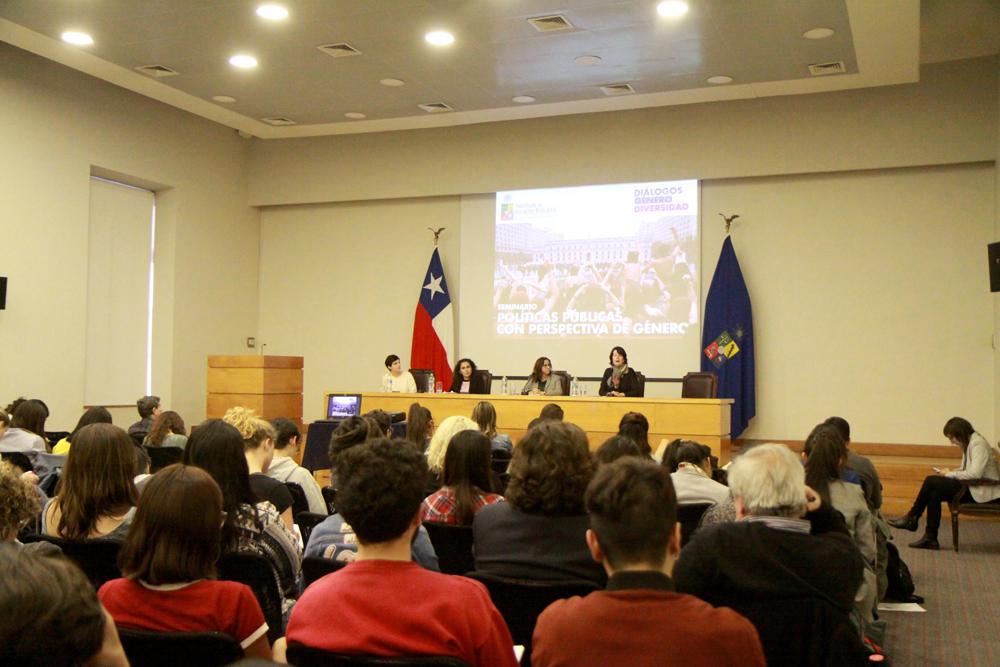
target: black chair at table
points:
(520, 601)
(421, 376)
(565, 381)
(314, 567)
(689, 516)
(487, 379)
(161, 457)
(98, 558)
(642, 383)
(699, 385)
(306, 656)
(256, 572)
(145, 648)
(453, 546)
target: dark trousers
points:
(935, 490)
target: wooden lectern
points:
(271, 385)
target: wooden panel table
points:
(703, 420)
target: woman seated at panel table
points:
(542, 381)
(619, 380)
(395, 379)
(466, 381)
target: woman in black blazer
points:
(465, 380)
(619, 380)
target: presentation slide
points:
(616, 262)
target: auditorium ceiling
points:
(509, 59)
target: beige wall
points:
(56, 126)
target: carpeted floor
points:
(962, 596)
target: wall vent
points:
(157, 71)
(550, 23)
(435, 107)
(341, 50)
(822, 69)
(278, 121)
(618, 89)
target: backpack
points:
(901, 588)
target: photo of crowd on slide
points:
(625, 265)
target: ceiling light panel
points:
(77, 38)
(272, 12)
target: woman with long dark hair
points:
(92, 415)
(465, 380)
(635, 425)
(27, 426)
(96, 494)
(167, 431)
(542, 381)
(467, 486)
(978, 462)
(169, 560)
(249, 525)
(419, 426)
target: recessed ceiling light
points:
(672, 8)
(587, 60)
(78, 38)
(719, 80)
(243, 61)
(393, 83)
(439, 37)
(272, 12)
(355, 115)
(225, 99)
(818, 33)
(523, 99)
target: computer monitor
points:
(342, 406)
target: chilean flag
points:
(433, 325)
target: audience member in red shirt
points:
(383, 603)
(639, 619)
(466, 478)
(169, 565)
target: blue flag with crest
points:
(727, 338)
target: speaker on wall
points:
(994, 253)
(3, 292)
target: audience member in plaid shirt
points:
(467, 486)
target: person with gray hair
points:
(788, 563)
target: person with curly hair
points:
(539, 533)
(19, 504)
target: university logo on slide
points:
(507, 211)
(722, 349)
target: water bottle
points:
(387, 383)
(503, 385)
(430, 383)
(574, 388)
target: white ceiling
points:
(496, 56)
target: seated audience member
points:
(168, 564)
(542, 381)
(250, 525)
(693, 481)
(539, 533)
(551, 412)
(669, 459)
(485, 415)
(94, 415)
(96, 494)
(615, 448)
(788, 564)
(50, 615)
(258, 441)
(19, 504)
(352, 610)
(148, 408)
(466, 478)
(333, 537)
(284, 468)
(826, 456)
(447, 430)
(639, 619)
(419, 426)
(860, 465)
(635, 425)
(465, 380)
(26, 432)
(167, 431)
(978, 462)
(382, 419)
(396, 379)
(619, 379)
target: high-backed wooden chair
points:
(958, 507)
(699, 385)
(421, 376)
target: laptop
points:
(342, 406)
